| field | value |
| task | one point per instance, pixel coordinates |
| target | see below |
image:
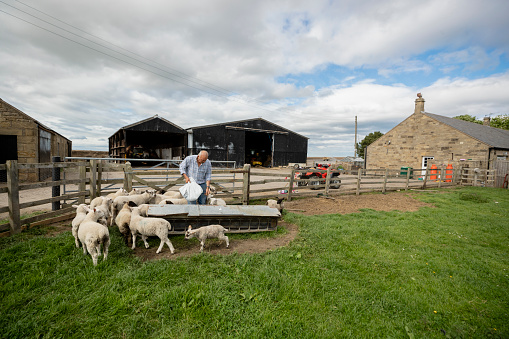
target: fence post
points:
(93, 179)
(83, 183)
(55, 190)
(128, 177)
(407, 179)
(385, 180)
(359, 173)
(327, 181)
(99, 177)
(13, 196)
(475, 178)
(425, 179)
(440, 176)
(292, 176)
(245, 184)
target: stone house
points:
(424, 139)
(28, 141)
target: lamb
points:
(173, 201)
(138, 199)
(96, 202)
(92, 235)
(158, 198)
(206, 232)
(173, 194)
(217, 202)
(81, 213)
(123, 220)
(120, 192)
(150, 227)
(135, 191)
(276, 204)
(105, 206)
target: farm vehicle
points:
(317, 176)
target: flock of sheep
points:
(128, 210)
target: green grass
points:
(440, 272)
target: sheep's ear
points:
(132, 204)
(189, 228)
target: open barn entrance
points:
(259, 148)
(155, 145)
(9, 152)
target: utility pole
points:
(355, 145)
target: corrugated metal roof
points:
(494, 137)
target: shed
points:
(254, 141)
(152, 138)
(27, 140)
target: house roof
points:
(44, 127)
(494, 137)
(247, 120)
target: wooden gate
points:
(502, 168)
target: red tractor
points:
(318, 178)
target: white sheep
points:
(158, 198)
(123, 220)
(173, 194)
(135, 191)
(276, 204)
(173, 201)
(105, 206)
(81, 213)
(217, 202)
(150, 227)
(120, 192)
(207, 232)
(92, 235)
(138, 200)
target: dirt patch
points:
(310, 206)
(346, 204)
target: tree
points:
(469, 118)
(500, 121)
(368, 140)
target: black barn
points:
(153, 138)
(253, 141)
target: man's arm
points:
(183, 169)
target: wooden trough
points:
(237, 219)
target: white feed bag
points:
(191, 191)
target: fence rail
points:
(84, 180)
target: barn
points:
(253, 141)
(25, 139)
(152, 138)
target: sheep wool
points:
(147, 227)
(92, 235)
(206, 232)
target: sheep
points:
(276, 204)
(81, 213)
(158, 198)
(123, 220)
(217, 202)
(138, 199)
(92, 235)
(150, 227)
(206, 232)
(135, 191)
(96, 202)
(173, 194)
(105, 206)
(120, 192)
(172, 201)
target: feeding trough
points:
(237, 219)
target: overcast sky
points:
(88, 68)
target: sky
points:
(88, 68)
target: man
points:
(199, 168)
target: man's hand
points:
(186, 178)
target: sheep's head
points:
(190, 232)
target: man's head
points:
(202, 157)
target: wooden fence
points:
(82, 181)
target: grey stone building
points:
(424, 139)
(25, 139)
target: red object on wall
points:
(433, 171)
(448, 173)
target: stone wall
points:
(419, 136)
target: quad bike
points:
(317, 178)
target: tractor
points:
(317, 178)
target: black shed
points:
(152, 138)
(254, 141)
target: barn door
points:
(9, 152)
(44, 153)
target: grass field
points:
(441, 272)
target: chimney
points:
(419, 104)
(486, 121)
